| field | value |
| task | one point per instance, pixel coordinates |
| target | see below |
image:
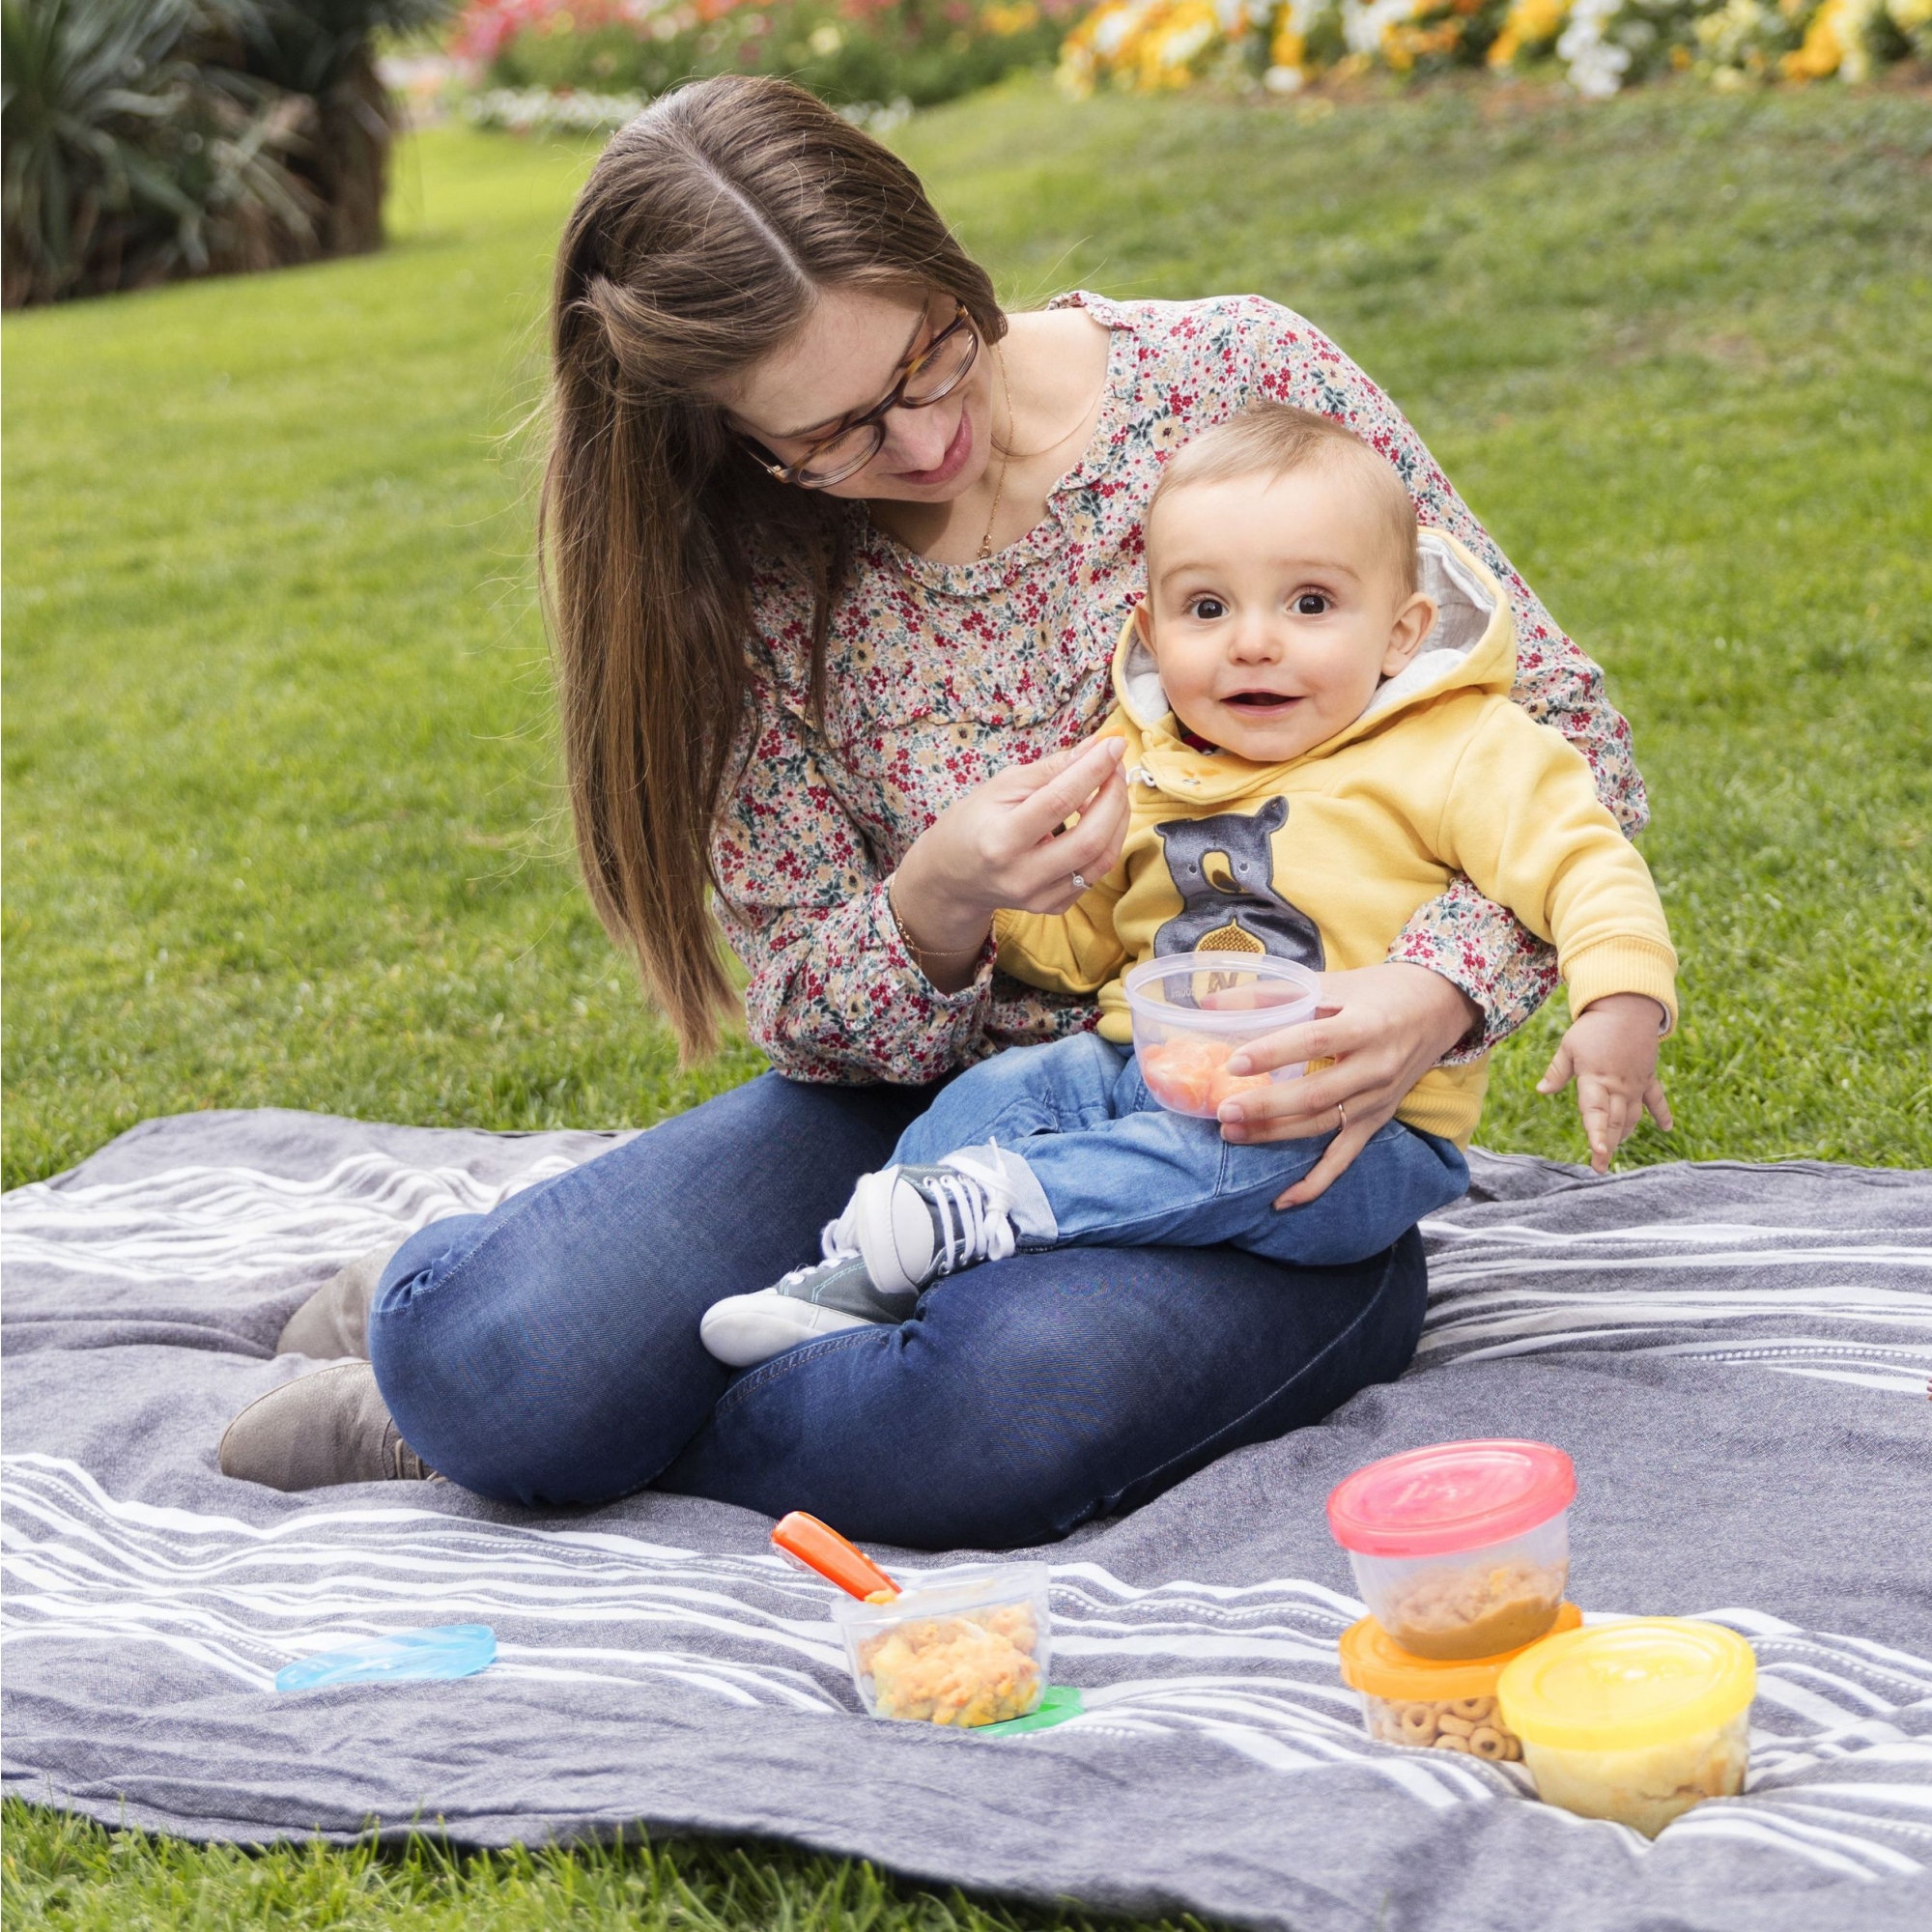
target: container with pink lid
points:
(1460, 1550)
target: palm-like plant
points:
(150, 138)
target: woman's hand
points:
(1384, 1027)
(1003, 845)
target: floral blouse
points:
(938, 675)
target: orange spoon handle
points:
(821, 1549)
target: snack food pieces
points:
(1462, 1549)
(1634, 1721)
(1193, 1011)
(1430, 1705)
(971, 1648)
(1466, 1725)
(1189, 1074)
(967, 1670)
(1474, 1610)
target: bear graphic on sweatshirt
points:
(1247, 914)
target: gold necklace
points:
(1005, 457)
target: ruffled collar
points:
(1049, 535)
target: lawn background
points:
(282, 819)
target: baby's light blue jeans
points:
(1117, 1170)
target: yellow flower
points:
(1007, 17)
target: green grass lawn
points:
(283, 824)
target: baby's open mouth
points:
(1261, 700)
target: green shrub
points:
(148, 139)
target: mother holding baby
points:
(836, 553)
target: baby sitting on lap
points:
(1320, 736)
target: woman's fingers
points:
(1060, 793)
(1326, 1037)
(1292, 1110)
(1334, 1161)
(1093, 845)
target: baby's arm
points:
(1524, 822)
(1075, 951)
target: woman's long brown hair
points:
(706, 232)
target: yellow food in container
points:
(1634, 1721)
(1430, 1704)
(971, 1648)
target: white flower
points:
(1284, 80)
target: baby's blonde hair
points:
(1270, 439)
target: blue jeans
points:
(547, 1353)
(1118, 1171)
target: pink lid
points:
(1453, 1495)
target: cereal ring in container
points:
(971, 1647)
(1427, 1704)
(1461, 1551)
(1634, 1721)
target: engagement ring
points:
(1080, 884)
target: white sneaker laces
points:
(830, 1250)
(973, 1221)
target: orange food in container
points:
(1461, 1550)
(972, 1647)
(1192, 1012)
(1431, 1705)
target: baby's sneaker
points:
(911, 1225)
(821, 1300)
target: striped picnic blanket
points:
(1736, 1357)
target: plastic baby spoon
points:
(811, 1544)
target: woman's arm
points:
(836, 992)
(833, 993)
(1461, 935)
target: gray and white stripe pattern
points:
(1736, 1357)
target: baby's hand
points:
(1611, 1050)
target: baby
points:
(1319, 737)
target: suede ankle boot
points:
(334, 1321)
(318, 1431)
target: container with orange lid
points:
(1461, 1551)
(1634, 1721)
(1433, 1705)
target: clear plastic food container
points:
(1462, 1549)
(1191, 1011)
(971, 1648)
(1634, 1721)
(1432, 1706)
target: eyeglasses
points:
(925, 377)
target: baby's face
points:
(1273, 610)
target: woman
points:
(836, 553)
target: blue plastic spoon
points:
(411, 1656)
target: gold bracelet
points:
(920, 953)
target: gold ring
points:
(1341, 1118)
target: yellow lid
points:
(1374, 1663)
(1620, 1686)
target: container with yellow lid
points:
(1637, 1720)
(1430, 1704)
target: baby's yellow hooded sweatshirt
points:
(1325, 859)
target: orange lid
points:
(1372, 1661)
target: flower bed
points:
(1598, 45)
(850, 52)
